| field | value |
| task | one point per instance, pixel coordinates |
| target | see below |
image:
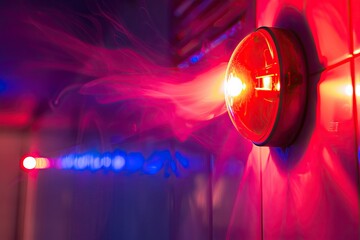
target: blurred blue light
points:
(156, 162)
(82, 162)
(95, 163)
(118, 162)
(174, 167)
(106, 160)
(134, 161)
(236, 28)
(194, 59)
(67, 162)
(182, 160)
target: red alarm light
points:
(265, 87)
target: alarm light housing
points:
(265, 87)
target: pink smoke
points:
(42, 42)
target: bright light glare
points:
(267, 82)
(278, 86)
(118, 162)
(234, 86)
(29, 163)
(349, 90)
(106, 161)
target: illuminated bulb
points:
(96, 163)
(106, 161)
(118, 162)
(234, 86)
(267, 113)
(267, 82)
(349, 90)
(29, 163)
(277, 86)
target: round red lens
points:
(265, 87)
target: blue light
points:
(194, 59)
(118, 162)
(96, 163)
(182, 160)
(199, 55)
(174, 167)
(82, 162)
(106, 160)
(156, 162)
(67, 162)
(134, 161)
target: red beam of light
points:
(188, 100)
(199, 98)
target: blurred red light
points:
(29, 163)
(42, 163)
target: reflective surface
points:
(236, 188)
(306, 198)
(311, 190)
